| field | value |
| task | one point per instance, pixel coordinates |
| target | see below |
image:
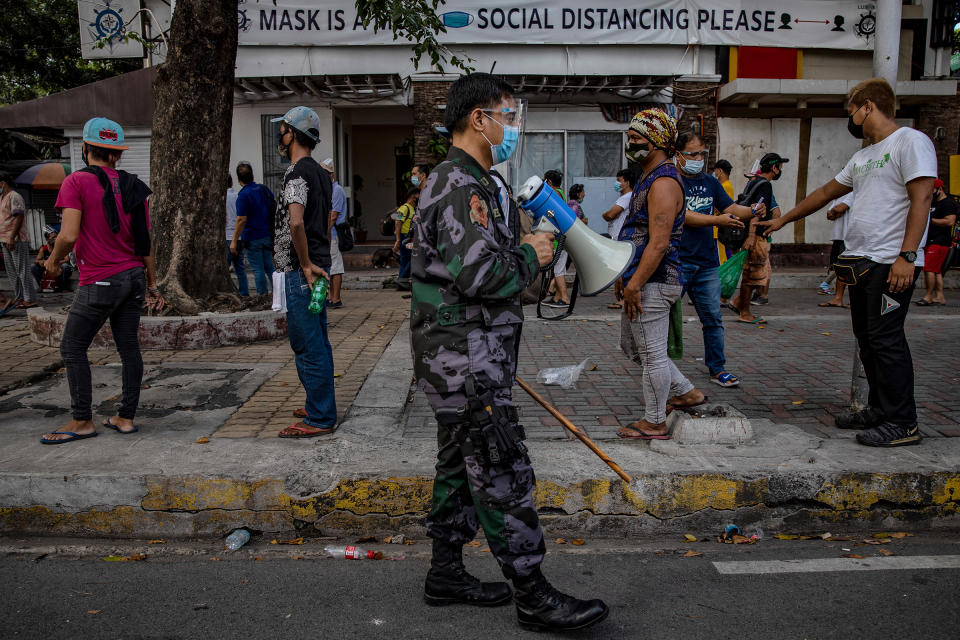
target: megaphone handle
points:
(561, 243)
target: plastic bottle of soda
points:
(349, 553)
(318, 296)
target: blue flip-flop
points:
(110, 425)
(73, 436)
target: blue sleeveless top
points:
(636, 229)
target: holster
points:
(851, 269)
(494, 434)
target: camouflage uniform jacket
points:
(468, 273)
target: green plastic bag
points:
(675, 336)
(730, 274)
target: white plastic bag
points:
(566, 377)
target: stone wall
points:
(941, 112)
(426, 97)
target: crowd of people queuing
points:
(461, 246)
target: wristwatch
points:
(909, 256)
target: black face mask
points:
(777, 175)
(856, 130)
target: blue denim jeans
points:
(312, 351)
(406, 256)
(703, 284)
(243, 287)
(260, 257)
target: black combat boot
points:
(540, 607)
(449, 583)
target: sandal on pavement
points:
(615, 305)
(26, 305)
(300, 413)
(73, 436)
(725, 379)
(832, 304)
(116, 428)
(303, 430)
(639, 434)
(923, 303)
(682, 407)
(757, 320)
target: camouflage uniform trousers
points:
(468, 494)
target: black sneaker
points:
(890, 435)
(863, 419)
(760, 300)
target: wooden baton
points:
(572, 428)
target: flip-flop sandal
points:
(73, 436)
(615, 305)
(923, 303)
(830, 304)
(757, 320)
(298, 431)
(725, 379)
(641, 435)
(110, 425)
(730, 306)
(26, 305)
(300, 413)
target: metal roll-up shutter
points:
(136, 159)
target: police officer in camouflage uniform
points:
(469, 269)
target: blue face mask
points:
(502, 152)
(616, 187)
(693, 167)
(415, 181)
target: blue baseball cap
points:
(304, 120)
(103, 132)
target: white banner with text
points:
(833, 24)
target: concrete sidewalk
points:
(375, 474)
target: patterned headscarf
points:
(657, 126)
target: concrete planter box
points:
(173, 332)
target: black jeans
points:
(878, 327)
(118, 298)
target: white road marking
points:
(818, 565)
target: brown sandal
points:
(300, 413)
(640, 434)
(303, 430)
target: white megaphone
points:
(600, 261)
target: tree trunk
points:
(190, 152)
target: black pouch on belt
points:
(851, 269)
(500, 435)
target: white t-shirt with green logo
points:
(878, 175)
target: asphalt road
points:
(65, 589)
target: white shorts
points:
(560, 269)
(336, 258)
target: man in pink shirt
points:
(106, 222)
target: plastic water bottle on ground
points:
(349, 553)
(236, 539)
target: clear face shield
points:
(695, 162)
(512, 117)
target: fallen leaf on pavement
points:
(797, 402)
(378, 555)
(487, 549)
(592, 368)
(689, 537)
(366, 539)
(560, 541)
(885, 552)
(291, 541)
(474, 543)
(398, 538)
(900, 534)
(883, 541)
(298, 557)
(854, 555)
(134, 558)
(336, 375)
(578, 542)
(156, 542)
(409, 541)
(274, 541)
(214, 559)
(244, 581)
(203, 440)
(94, 611)
(738, 539)
(692, 554)
(786, 536)
(258, 558)
(826, 333)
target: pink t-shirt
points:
(100, 252)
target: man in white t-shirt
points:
(615, 217)
(893, 179)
